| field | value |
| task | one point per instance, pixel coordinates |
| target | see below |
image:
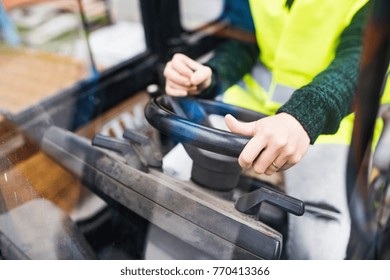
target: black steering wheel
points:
(185, 119)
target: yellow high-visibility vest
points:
(295, 45)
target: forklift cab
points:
(125, 171)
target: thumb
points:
(243, 128)
(200, 75)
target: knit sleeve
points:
(231, 61)
(322, 104)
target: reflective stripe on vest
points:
(295, 45)
(280, 93)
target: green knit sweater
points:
(320, 105)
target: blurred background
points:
(48, 45)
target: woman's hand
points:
(185, 76)
(278, 142)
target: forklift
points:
(141, 175)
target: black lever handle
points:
(145, 146)
(381, 159)
(249, 203)
(123, 147)
(111, 143)
(136, 136)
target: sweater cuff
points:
(304, 106)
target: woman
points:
(303, 72)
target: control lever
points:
(249, 203)
(381, 159)
(145, 146)
(131, 156)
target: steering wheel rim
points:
(201, 136)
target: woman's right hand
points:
(185, 76)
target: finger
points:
(265, 159)
(179, 90)
(251, 151)
(175, 76)
(291, 154)
(288, 163)
(243, 128)
(201, 75)
(184, 65)
(276, 166)
(183, 69)
(192, 64)
(173, 91)
(286, 166)
(194, 90)
(174, 85)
